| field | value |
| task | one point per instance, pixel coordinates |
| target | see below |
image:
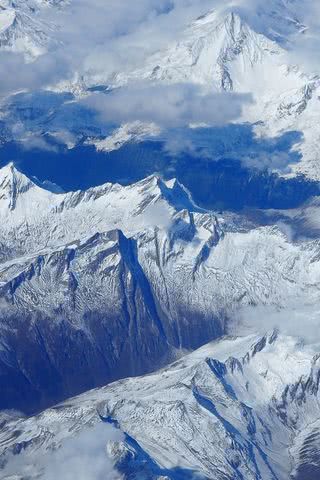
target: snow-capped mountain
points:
(118, 280)
(110, 282)
(224, 51)
(228, 49)
(240, 408)
(219, 50)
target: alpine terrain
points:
(159, 240)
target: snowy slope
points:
(132, 276)
(114, 281)
(21, 29)
(234, 409)
(219, 50)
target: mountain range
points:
(126, 278)
(159, 306)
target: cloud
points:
(83, 457)
(238, 142)
(34, 142)
(279, 161)
(17, 75)
(309, 217)
(298, 320)
(169, 106)
(157, 215)
(93, 39)
(98, 38)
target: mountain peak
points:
(223, 25)
(206, 17)
(10, 170)
(220, 49)
(12, 183)
(218, 15)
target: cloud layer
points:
(101, 37)
(92, 41)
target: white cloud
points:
(105, 36)
(168, 106)
(83, 457)
(298, 320)
(157, 215)
(99, 38)
(17, 75)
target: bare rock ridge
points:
(115, 281)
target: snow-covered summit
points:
(231, 48)
(27, 207)
(12, 184)
(219, 50)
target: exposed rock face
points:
(115, 281)
(236, 408)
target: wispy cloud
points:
(300, 320)
(83, 457)
(169, 106)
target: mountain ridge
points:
(77, 272)
(212, 393)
